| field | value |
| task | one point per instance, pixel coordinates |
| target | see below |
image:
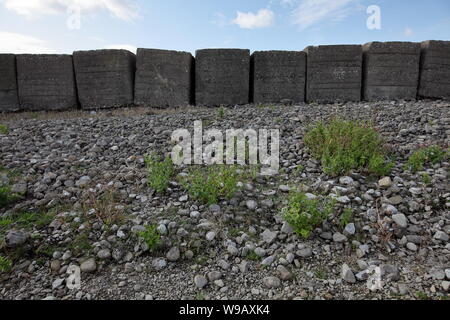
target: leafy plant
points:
(6, 196)
(428, 155)
(159, 172)
(5, 264)
(304, 214)
(221, 112)
(208, 184)
(151, 237)
(343, 146)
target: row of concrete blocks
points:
(161, 78)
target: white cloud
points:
(21, 43)
(408, 32)
(123, 9)
(310, 12)
(122, 46)
(263, 18)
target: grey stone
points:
(105, 78)
(286, 228)
(163, 78)
(401, 220)
(269, 236)
(9, 99)
(391, 70)
(173, 254)
(222, 77)
(278, 75)
(435, 70)
(334, 73)
(159, 264)
(46, 82)
(16, 238)
(347, 274)
(390, 272)
(339, 237)
(88, 265)
(411, 246)
(57, 283)
(251, 204)
(284, 273)
(350, 229)
(305, 253)
(214, 275)
(104, 254)
(442, 236)
(210, 235)
(268, 261)
(200, 281)
(385, 183)
(272, 282)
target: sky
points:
(63, 26)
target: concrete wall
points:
(46, 82)
(9, 100)
(278, 75)
(435, 70)
(161, 78)
(391, 70)
(334, 73)
(105, 78)
(222, 76)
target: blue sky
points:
(62, 26)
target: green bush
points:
(6, 197)
(346, 217)
(5, 264)
(429, 155)
(342, 146)
(159, 172)
(151, 237)
(208, 184)
(304, 214)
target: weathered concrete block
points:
(222, 76)
(278, 75)
(105, 78)
(435, 70)
(334, 73)
(391, 70)
(9, 100)
(163, 78)
(46, 82)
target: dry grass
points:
(103, 113)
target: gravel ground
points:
(236, 249)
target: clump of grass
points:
(5, 264)
(209, 184)
(424, 156)
(105, 206)
(26, 220)
(221, 112)
(304, 214)
(6, 196)
(81, 245)
(159, 172)
(343, 146)
(346, 217)
(3, 129)
(151, 237)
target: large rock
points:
(278, 75)
(334, 73)
(105, 78)
(163, 78)
(435, 70)
(46, 82)
(391, 70)
(9, 100)
(222, 77)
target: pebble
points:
(173, 254)
(200, 281)
(272, 282)
(401, 220)
(347, 274)
(88, 266)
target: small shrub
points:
(426, 179)
(5, 265)
(304, 214)
(105, 206)
(3, 129)
(221, 112)
(343, 146)
(6, 197)
(208, 184)
(159, 172)
(421, 157)
(151, 237)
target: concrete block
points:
(334, 73)
(435, 70)
(105, 78)
(390, 70)
(9, 100)
(278, 75)
(163, 78)
(222, 76)
(46, 82)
